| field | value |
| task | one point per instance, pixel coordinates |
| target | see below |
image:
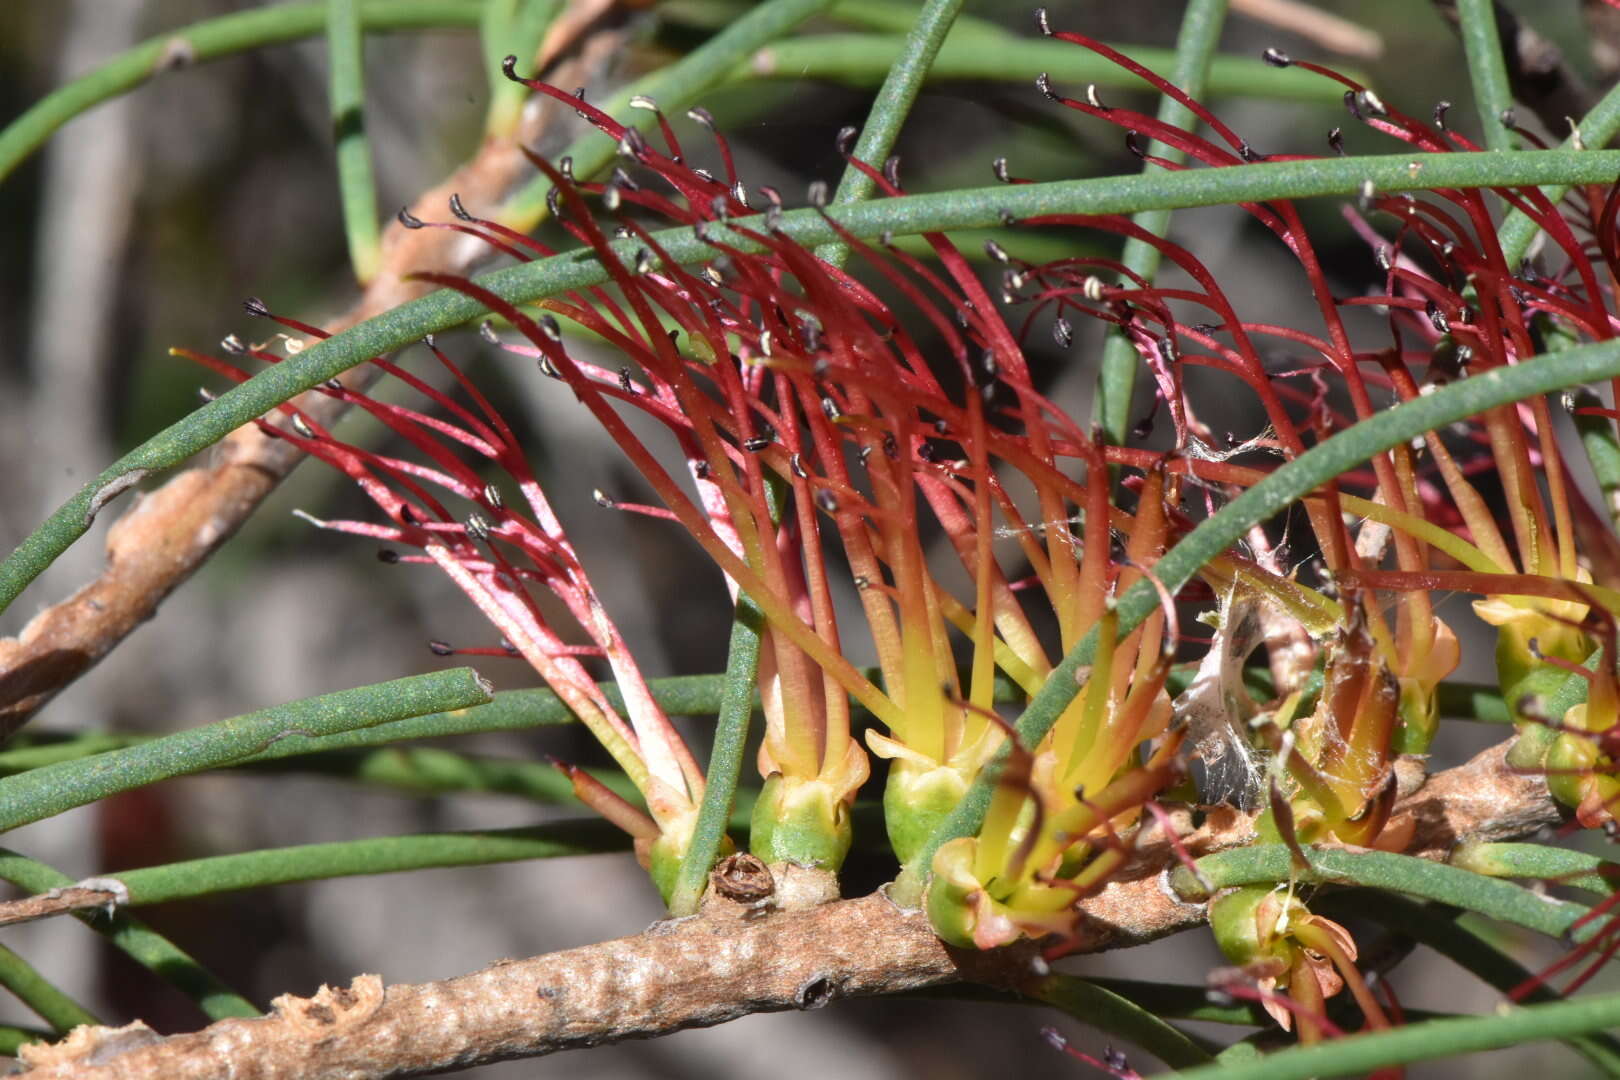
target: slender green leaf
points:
(864, 59)
(211, 39)
(1500, 900)
(725, 759)
(899, 91)
(1487, 70)
(347, 104)
(41, 995)
(14, 1038)
(1541, 862)
(352, 858)
(1357, 1055)
(43, 792)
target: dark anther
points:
(1353, 105)
(700, 469)
(1143, 428)
(486, 330)
(846, 139)
(1115, 1059)
(406, 514)
(926, 451)
(233, 345)
(1372, 103)
(1440, 111)
(554, 202)
(457, 209)
(566, 166)
(408, 219)
(602, 499)
(332, 385)
(492, 497)
(548, 323)
(718, 207)
(387, 555)
(827, 501)
(430, 341)
(817, 193)
(773, 216)
(1277, 58)
(256, 307)
(891, 446)
(999, 167)
(1133, 145)
(510, 648)
(1041, 22)
(830, 409)
(796, 464)
(621, 179)
(1249, 153)
(891, 169)
(1043, 83)
(1062, 333)
(624, 381)
(441, 648)
(996, 252)
(756, 444)
(548, 369)
(1437, 318)
(509, 69)
(1336, 140)
(644, 260)
(740, 193)
(1508, 118)
(1205, 328)
(477, 526)
(579, 95)
(1006, 217)
(702, 116)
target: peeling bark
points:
(731, 960)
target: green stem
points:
(676, 87)
(864, 59)
(1487, 70)
(352, 858)
(1195, 45)
(1436, 926)
(1357, 1055)
(356, 186)
(1500, 900)
(210, 40)
(895, 98)
(725, 759)
(1280, 489)
(140, 942)
(41, 995)
(44, 792)
(974, 208)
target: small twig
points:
(727, 962)
(91, 894)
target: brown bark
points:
(731, 960)
(170, 532)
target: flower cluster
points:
(825, 433)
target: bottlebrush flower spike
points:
(496, 554)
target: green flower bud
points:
(800, 821)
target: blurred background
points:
(144, 223)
